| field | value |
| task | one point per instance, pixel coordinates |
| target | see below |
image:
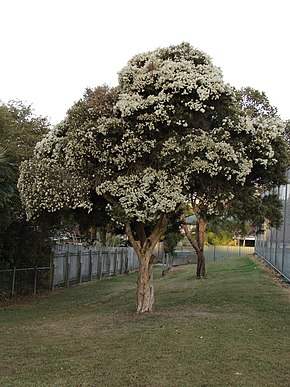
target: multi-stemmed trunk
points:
(198, 244)
(144, 249)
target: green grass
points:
(231, 329)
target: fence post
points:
(126, 271)
(13, 281)
(52, 267)
(163, 263)
(122, 261)
(99, 268)
(80, 266)
(91, 266)
(115, 262)
(67, 264)
(35, 281)
(108, 263)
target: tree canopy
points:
(172, 131)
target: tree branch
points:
(132, 240)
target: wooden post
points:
(126, 263)
(108, 263)
(90, 266)
(122, 261)
(67, 264)
(80, 266)
(99, 269)
(115, 262)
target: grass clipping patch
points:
(231, 329)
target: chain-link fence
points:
(211, 252)
(274, 244)
(24, 281)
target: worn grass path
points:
(231, 329)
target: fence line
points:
(78, 264)
(24, 281)
(212, 253)
(72, 264)
(274, 251)
(273, 245)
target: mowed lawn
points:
(231, 329)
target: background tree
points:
(265, 150)
(171, 132)
(20, 129)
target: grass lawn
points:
(231, 329)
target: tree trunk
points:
(200, 268)
(198, 245)
(145, 288)
(144, 250)
(200, 234)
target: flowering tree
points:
(171, 131)
(258, 140)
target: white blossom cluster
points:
(46, 186)
(163, 135)
(152, 82)
(142, 196)
(264, 131)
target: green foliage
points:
(20, 242)
(221, 238)
(255, 103)
(7, 186)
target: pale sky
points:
(52, 50)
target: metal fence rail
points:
(23, 281)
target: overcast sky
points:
(51, 50)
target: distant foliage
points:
(20, 241)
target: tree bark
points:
(144, 250)
(198, 245)
(200, 233)
(145, 288)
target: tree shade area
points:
(172, 133)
